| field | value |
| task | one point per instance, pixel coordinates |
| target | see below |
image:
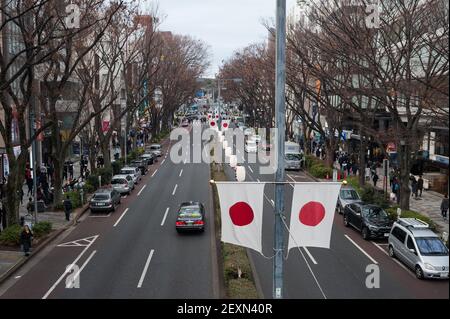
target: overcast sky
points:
(225, 25)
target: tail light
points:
(180, 223)
(199, 222)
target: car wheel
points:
(365, 233)
(391, 251)
(345, 221)
(419, 272)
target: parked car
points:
(133, 171)
(265, 146)
(191, 216)
(418, 247)
(155, 148)
(149, 158)
(347, 195)
(141, 164)
(124, 184)
(104, 200)
(250, 146)
(293, 161)
(372, 221)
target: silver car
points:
(124, 184)
(347, 195)
(293, 161)
(156, 148)
(135, 173)
(413, 243)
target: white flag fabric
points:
(241, 207)
(313, 210)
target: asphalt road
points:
(134, 252)
(338, 272)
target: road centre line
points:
(144, 272)
(154, 173)
(77, 274)
(120, 218)
(310, 256)
(362, 250)
(174, 189)
(165, 216)
(141, 190)
(67, 270)
(181, 173)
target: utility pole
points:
(280, 83)
(33, 148)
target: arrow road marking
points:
(79, 242)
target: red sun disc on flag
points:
(217, 116)
(212, 123)
(241, 214)
(225, 125)
(312, 214)
(209, 116)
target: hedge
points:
(10, 236)
(75, 197)
(392, 212)
(317, 168)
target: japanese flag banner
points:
(212, 124)
(313, 210)
(225, 125)
(241, 207)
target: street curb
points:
(310, 176)
(47, 241)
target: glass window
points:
(399, 234)
(101, 197)
(349, 194)
(431, 246)
(410, 243)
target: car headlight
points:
(429, 266)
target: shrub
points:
(41, 229)
(74, 196)
(116, 166)
(92, 180)
(320, 171)
(10, 236)
(88, 188)
(372, 196)
(392, 212)
(106, 174)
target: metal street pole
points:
(125, 145)
(280, 117)
(33, 152)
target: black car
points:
(371, 220)
(142, 165)
(191, 216)
(149, 158)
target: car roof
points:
(120, 176)
(418, 232)
(192, 203)
(347, 187)
(128, 167)
(103, 191)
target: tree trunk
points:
(404, 161)
(330, 146)
(15, 181)
(58, 165)
(106, 152)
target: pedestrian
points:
(413, 186)
(30, 205)
(26, 238)
(50, 173)
(65, 169)
(367, 173)
(444, 206)
(420, 185)
(30, 186)
(67, 207)
(375, 179)
(70, 170)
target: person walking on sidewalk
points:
(444, 206)
(375, 179)
(413, 186)
(420, 186)
(26, 238)
(20, 193)
(67, 207)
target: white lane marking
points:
(181, 173)
(272, 202)
(310, 256)
(120, 218)
(77, 274)
(362, 250)
(185, 161)
(258, 180)
(17, 277)
(144, 272)
(398, 262)
(269, 200)
(163, 161)
(291, 177)
(174, 189)
(141, 190)
(250, 168)
(165, 216)
(154, 173)
(68, 269)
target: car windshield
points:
(127, 171)
(293, 157)
(349, 194)
(431, 246)
(118, 181)
(375, 213)
(189, 212)
(101, 197)
(155, 147)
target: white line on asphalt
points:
(185, 161)
(141, 190)
(165, 216)
(144, 272)
(68, 269)
(291, 177)
(310, 256)
(398, 263)
(154, 173)
(174, 189)
(250, 169)
(181, 172)
(17, 277)
(120, 218)
(272, 202)
(362, 250)
(163, 161)
(77, 274)
(258, 180)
